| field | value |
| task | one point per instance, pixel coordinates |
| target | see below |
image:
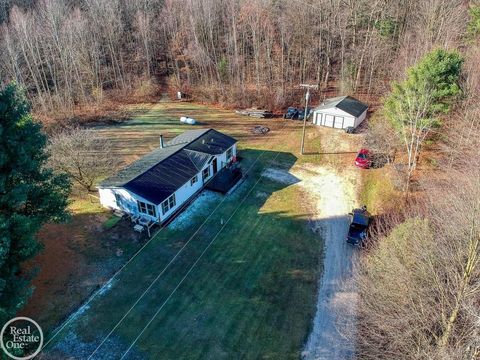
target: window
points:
(168, 204)
(148, 209)
(229, 153)
(194, 180)
(151, 210)
(142, 207)
(206, 173)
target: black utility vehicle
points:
(360, 221)
(296, 113)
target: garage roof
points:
(160, 173)
(348, 104)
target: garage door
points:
(329, 119)
(338, 122)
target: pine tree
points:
(30, 196)
(416, 104)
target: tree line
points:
(237, 52)
(419, 278)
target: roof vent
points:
(162, 145)
(203, 141)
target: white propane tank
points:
(187, 120)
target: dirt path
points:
(334, 197)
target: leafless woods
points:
(231, 51)
(419, 283)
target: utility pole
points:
(307, 97)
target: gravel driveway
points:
(335, 315)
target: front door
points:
(214, 164)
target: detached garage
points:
(340, 113)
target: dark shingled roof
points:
(346, 103)
(198, 159)
(160, 173)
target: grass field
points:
(78, 256)
(244, 289)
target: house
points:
(158, 184)
(340, 113)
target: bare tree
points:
(83, 154)
(414, 125)
(233, 51)
(420, 284)
(382, 139)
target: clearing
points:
(238, 279)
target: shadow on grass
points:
(78, 257)
(240, 279)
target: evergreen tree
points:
(415, 105)
(473, 25)
(30, 196)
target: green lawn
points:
(245, 289)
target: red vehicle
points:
(363, 159)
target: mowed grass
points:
(140, 135)
(237, 280)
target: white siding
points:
(128, 200)
(349, 122)
(359, 120)
(181, 196)
(184, 193)
(334, 111)
(336, 118)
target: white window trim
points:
(148, 208)
(168, 204)
(194, 180)
(206, 169)
(226, 153)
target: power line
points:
(102, 288)
(307, 97)
(171, 261)
(193, 266)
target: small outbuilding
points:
(340, 113)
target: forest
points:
(415, 61)
(72, 53)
